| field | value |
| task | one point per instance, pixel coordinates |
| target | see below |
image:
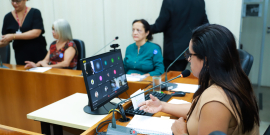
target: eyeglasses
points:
(188, 55)
(16, 1)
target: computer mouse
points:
(178, 94)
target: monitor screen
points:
(104, 78)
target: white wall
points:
(97, 22)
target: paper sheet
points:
(192, 88)
(40, 69)
(137, 100)
(151, 125)
(135, 78)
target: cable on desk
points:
(107, 122)
(119, 98)
(105, 108)
(127, 94)
(97, 129)
(112, 103)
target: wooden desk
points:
(189, 80)
(69, 111)
(22, 92)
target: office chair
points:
(267, 132)
(246, 60)
(5, 54)
(81, 51)
(159, 47)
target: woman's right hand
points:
(30, 64)
(153, 105)
(3, 44)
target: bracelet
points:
(13, 36)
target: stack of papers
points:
(135, 78)
(40, 69)
(151, 125)
(191, 88)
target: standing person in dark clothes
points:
(176, 20)
(24, 26)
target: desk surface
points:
(68, 112)
(68, 72)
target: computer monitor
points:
(105, 79)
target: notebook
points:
(151, 125)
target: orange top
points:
(215, 93)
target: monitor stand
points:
(99, 111)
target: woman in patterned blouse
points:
(63, 52)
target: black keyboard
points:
(160, 96)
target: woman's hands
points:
(3, 44)
(30, 64)
(147, 74)
(43, 64)
(7, 38)
(153, 105)
(179, 127)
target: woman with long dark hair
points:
(63, 51)
(225, 100)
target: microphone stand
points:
(168, 86)
(105, 46)
(121, 130)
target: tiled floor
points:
(265, 112)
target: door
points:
(255, 38)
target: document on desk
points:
(191, 88)
(137, 100)
(135, 78)
(151, 125)
(40, 69)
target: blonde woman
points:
(63, 52)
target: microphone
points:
(117, 129)
(171, 85)
(106, 45)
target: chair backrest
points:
(6, 130)
(159, 47)
(5, 54)
(246, 60)
(81, 51)
(267, 131)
